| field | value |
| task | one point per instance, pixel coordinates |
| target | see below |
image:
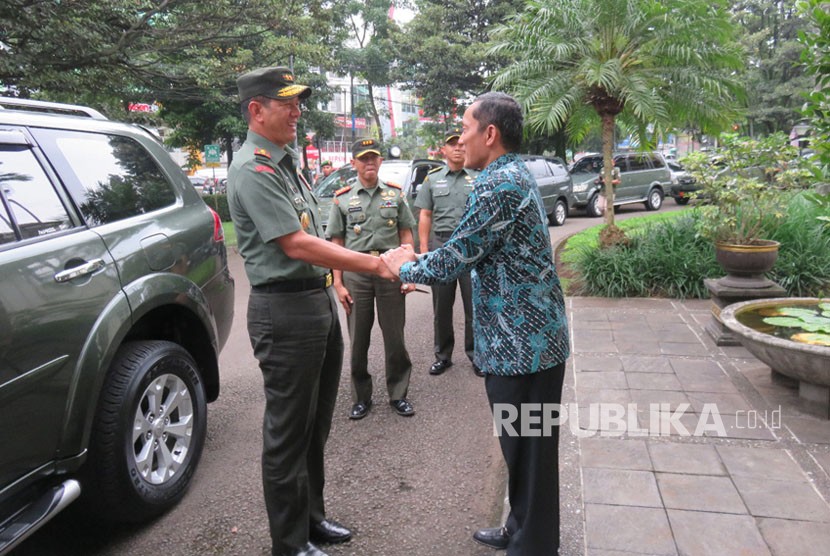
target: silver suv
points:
(645, 178)
(116, 300)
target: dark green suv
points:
(115, 302)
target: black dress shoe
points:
(308, 550)
(328, 531)
(494, 537)
(440, 366)
(403, 407)
(360, 410)
(477, 371)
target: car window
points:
(656, 161)
(588, 164)
(337, 179)
(111, 177)
(30, 206)
(675, 167)
(538, 167)
(637, 162)
(395, 172)
(557, 169)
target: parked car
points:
(645, 178)
(409, 174)
(116, 300)
(555, 186)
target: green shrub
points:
(219, 203)
(668, 259)
(803, 265)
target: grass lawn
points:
(230, 234)
(590, 238)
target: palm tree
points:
(654, 64)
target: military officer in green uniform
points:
(293, 320)
(442, 199)
(371, 217)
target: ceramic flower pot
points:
(745, 265)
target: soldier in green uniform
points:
(442, 199)
(371, 217)
(293, 321)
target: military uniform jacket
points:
(445, 194)
(368, 219)
(267, 201)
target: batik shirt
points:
(519, 319)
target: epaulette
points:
(262, 152)
(342, 190)
(391, 184)
(436, 169)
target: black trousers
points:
(299, 345)
(532, 462)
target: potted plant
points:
(743, 193)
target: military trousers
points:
(298, 342)
(367, 292)
(532, 461)
(443, 301)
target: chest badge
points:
(357, 229)
(305, 221)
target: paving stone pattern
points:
(713, 456)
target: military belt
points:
(294, 286)
(374, 253)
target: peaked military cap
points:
(276, 82)
(454, 133)
(365, 146)
(326, 163)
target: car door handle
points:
(78, 271)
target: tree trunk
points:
(229, 149)
(607, 164)
(375, 113)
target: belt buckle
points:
(375, 253)
(329, 279)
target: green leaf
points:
(797, 312)
(786, 322)
(812, 339)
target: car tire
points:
(593, 206)
(559, 214)
(140, 467)
(681, 200)
(655, 199)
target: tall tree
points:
(372, 27)
(774, 77)
(442, 51)
(182, 54)
(650, 63)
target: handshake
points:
(393, 259)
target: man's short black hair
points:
(502, 111)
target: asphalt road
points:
(418, 486)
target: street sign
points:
(212, 153)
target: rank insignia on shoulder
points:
(436, 169)
(262, 152)
(264, 168)
(343, 190)
(392, 184)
